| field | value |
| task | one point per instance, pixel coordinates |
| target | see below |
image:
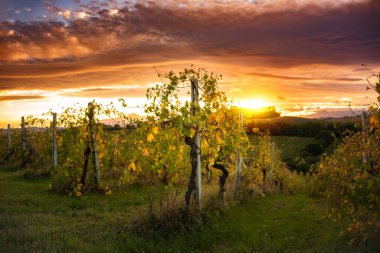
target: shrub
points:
(351, 181)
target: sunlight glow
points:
(253, 103)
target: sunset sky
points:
(303, 56)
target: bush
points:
(352, 184)
(292, 182)
(66, 179)
(324, 138)
(166, 217)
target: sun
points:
(253, 103)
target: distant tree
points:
(265, 113)
(324, 138)
(312, 149)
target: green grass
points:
(34, 220)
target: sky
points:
(303, 56)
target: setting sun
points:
(254, 103)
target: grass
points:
(34, 220)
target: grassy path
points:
(33, 220)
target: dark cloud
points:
(282, 77)
(122, 48)
(61, 77)
(276, 37)
(12, 98)
(293, 109)
(335, 112)
(333, 87)
(5, 87)
(97, 89)
(107, 92)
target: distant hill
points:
(121, 121)
(354, 119)
(300, 121)
(304, 127)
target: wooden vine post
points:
(91, 149)
(10, 150)
(23, 143)
(239, 159)
(364, 131)
(334, 156)
(194, 107)
(94, 144)
(9, 147)
(54, 142)
(271, 163)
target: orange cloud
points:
(12, 98)
(293, 52)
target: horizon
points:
(119, 121)
(303, 57)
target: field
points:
(290, 146)
(34, 220)
(301, 120)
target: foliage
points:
(351, 180)
(171, 121)
(266, 172)
(325, 138)
(353, 186)
(10, 156)
(73, 135)
(302, 127)
(312, 149)
(165, 218)
(153, 150)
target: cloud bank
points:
(285, 46)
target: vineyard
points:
(188, 167)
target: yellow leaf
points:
(218, 118)
(155, 130)
(373, 120)
(219, 139)
(150, 137)
(132, 166)
(211, 161)
(146, 152)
